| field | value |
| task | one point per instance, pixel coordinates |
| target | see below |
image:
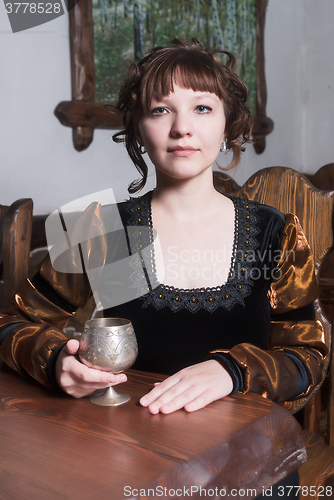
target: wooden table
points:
(56, 447)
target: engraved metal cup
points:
(108, 344)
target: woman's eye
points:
(158, 111)
(203, 109)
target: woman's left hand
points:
(191, 388)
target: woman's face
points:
(183, 132)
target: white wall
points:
(299, 41)
(37, 157)
(318, 89)
(283, 35)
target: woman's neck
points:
(192, 219)
(188, 199)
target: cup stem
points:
(110, 398)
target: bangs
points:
(189, 69)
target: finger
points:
(199, 402)
(92, 376)
(80, 386)
(117, 379)
(193, 399)
(174, 397)
(178, 400)
(158, 390)
(72, 346)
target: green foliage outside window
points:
(124, 30)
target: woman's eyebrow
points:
(208, 95)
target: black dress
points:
(260, 324)
(176, 328)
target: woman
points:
(229, 264)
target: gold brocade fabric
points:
(27, 348)
(72, 283)
(296, 284)
(271, 373)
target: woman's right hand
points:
(76, 379)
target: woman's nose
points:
(182, 125)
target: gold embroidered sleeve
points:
(295, 283)
(271, 372)
(38, 317)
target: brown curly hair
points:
(198, 68)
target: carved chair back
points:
(15, 237)
(291, 192)
(324, 179)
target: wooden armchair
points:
(15, 236)
(290, 191)
(324, 179)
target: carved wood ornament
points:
(83, 114)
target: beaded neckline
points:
(238, 284)
(197, 289)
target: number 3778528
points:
(32, 8)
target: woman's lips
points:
(182, 150)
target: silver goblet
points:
(108, 344)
